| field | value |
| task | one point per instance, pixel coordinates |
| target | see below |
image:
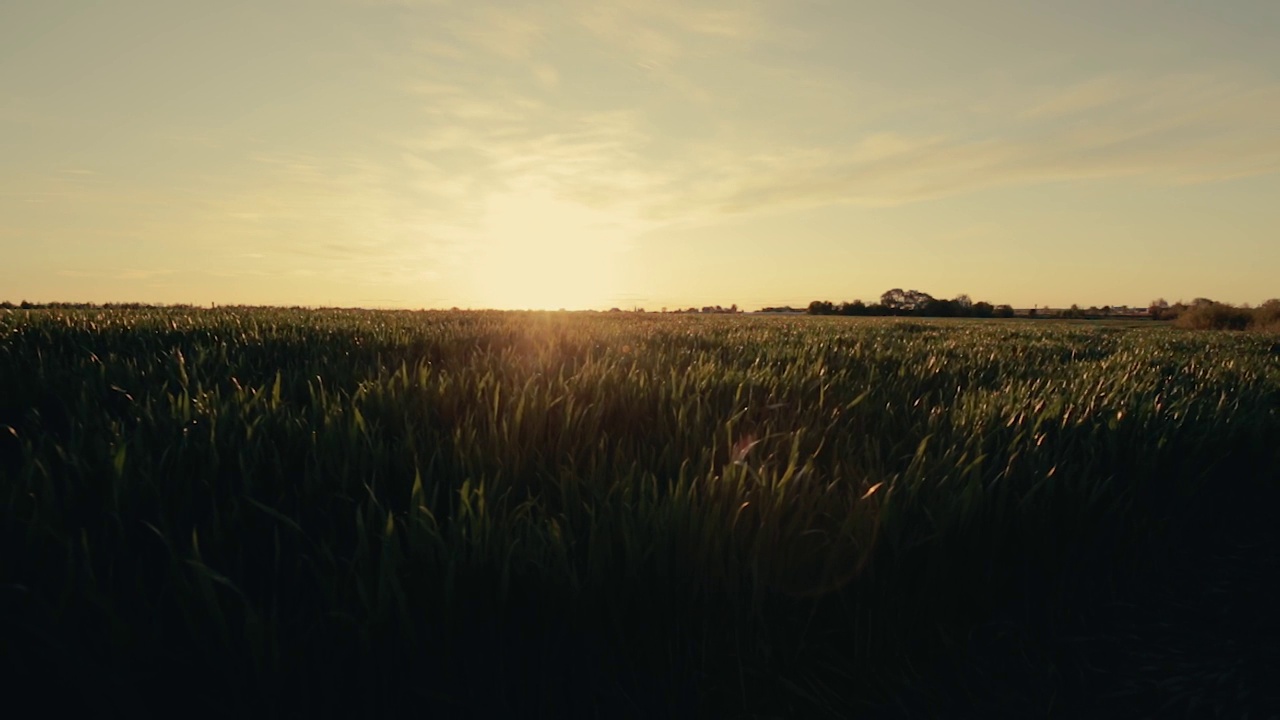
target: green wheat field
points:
(473, 514)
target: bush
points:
(1267, 316)
(1215, 316)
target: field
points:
(577, 515)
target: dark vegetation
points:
(1205, 314)
(898, 302)
(27, 305)
(537, 515)
(1201, 314)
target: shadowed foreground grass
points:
(542, 515)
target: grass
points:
(551, 515)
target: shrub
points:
(1267, 316)
(1215, 316)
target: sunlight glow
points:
(540, 252)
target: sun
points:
(540, 252)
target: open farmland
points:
(552, 515)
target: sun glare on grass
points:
(539, 252)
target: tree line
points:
(915, 303)
(1205, 314)
(26, 305)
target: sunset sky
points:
(654, 153)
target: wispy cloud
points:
(347, 220)
(484, 133)
(497, 112)
(658, 33)
(510, 33)
(1078, 98)
(1186, 129)
(1177, 129)
(647, 153)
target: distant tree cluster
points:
(899, 302)
(25, 305)
(710, 310)
(1206, 314)
(1093, 312)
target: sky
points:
(638, 153)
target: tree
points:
(899, 301)
(895, 299)
(938, 308)
(852, 308)
(918, 302)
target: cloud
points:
(498, 110)
(1078, 98)
(658, 32)
(1161, 130)
(484, 141)
(346, 219)
(670, 41)
(547, 75)
(663, 39)
(1176, 129)
(694, 145)
(514, 35)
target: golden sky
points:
(654, 153)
